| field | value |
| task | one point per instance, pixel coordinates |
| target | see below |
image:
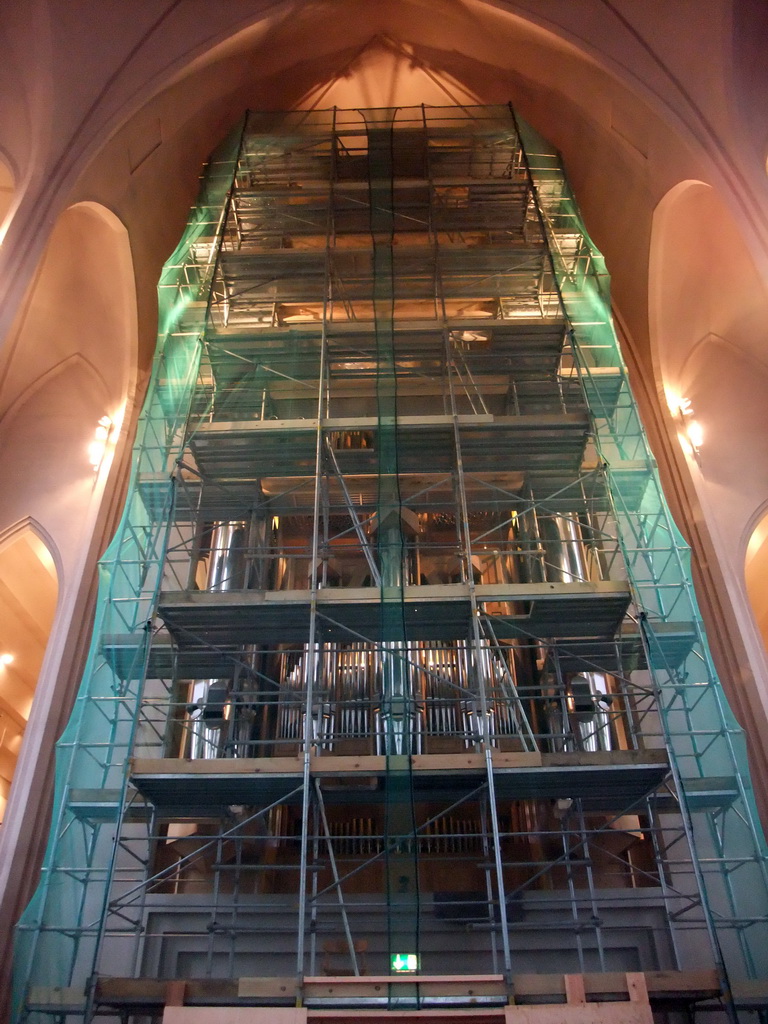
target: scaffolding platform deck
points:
(527, 344)
(476, 273)
(150, 994)
(553, 489)
(430, 612)
(604, 781)
(168, 660)
(228, 450)
(105, 805)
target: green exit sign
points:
(404, 963)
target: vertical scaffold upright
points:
(397, 670)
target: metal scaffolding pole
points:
(476, 640)
(312, 653)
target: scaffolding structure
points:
(397, 652)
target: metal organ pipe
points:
(564, 554)
(209, 706)
(590, 700)
(528, 551)
(228, 564)
(350, 712)
(580, 713)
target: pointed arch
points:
(756, 570)
(77, 362)
(708, 308)
(29, 591)
(73, 361)
(7, 193)
(28, 524)
(83, 300)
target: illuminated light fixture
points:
(695, 435)
(690, 433)
(98, 446)
(6, 659)
(404, 963)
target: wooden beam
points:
(574, 989)
(372, 764)
(682, 986)
(637, 987)
(217, 766)
(175, 992)
(402, 979)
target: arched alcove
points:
(45, 464)
(7, 188)
(708, 310)
(28, 595)
(70, 361)
(756, 575)
(82, 301)
(74, 345)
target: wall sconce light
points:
(690, 430)
(6, 659)
(98, 446)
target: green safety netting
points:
(59, 932)
(705, 740)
